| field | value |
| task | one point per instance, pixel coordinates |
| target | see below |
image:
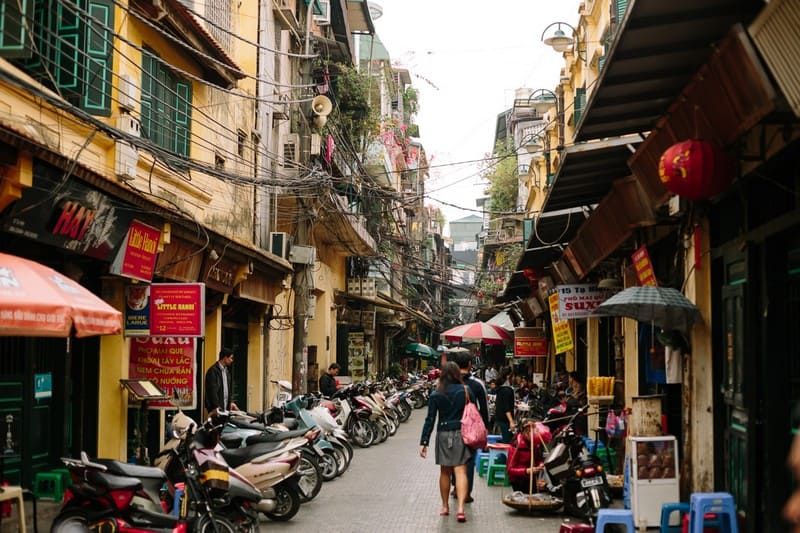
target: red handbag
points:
(473, 431)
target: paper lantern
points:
(695, 169)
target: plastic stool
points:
(575, 527)
(497, 475)
(481, 463)
(66, 477)
(48, 486)
(493, 439)
(666, 512)
(615, 516)
(719, 503)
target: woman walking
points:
(447, 403)
(504, 405)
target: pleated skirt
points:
(450, 448)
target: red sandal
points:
(461, 517)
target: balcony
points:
(378, 164)
(344, 230)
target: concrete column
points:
(592, 362)
(700, 368)
(112, 420)
(630, 333)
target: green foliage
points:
(413, 130)
(353, 112)
(501, 173)
(410, 101)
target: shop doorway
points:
(234, 336)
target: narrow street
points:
(389, 488)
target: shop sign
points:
(644, 267)
(562, 333)
(177, 309)
(43, 385)
(169, 362)
(529, 342)
(580, 301)
(136, 257)
(356, 360)
(68, 215)
(219, 274)
(137, 310)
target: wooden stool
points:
(14, 493)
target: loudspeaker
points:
(321, 107)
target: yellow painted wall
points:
(281, 337)
(255, 363)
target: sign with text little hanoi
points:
(136, 257)
(644, 267)
(169, 362)
(177, 309)
(579, 301)
(529, 342)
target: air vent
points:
(291, 151)
(774, 33)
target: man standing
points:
(491, 374)
(327, 381)
(219, 384)
(464, 361)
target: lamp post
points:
(560, 41)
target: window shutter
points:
(40, 62)
(14, 37)
(580, 102)
(162, 114)
(600, 62)
(98, 48)
(183, 110)
(622, 6)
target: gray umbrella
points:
(661, 306)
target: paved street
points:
(389, 488)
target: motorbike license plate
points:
(591, 482)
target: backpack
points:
(473, 431)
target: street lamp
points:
(533, 143)
(560, 41)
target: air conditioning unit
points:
(127, 93)
(325, 18)
(290, 151)
(303, 255)
(126, 156)
(285, 14)
(279, 243)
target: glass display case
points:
(653, 475)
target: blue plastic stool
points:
(481, 463)
(493, 439)
(666, 512)
(719, 503)
(615, 516)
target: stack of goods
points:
(601, 386)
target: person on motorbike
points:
(327, 382)
(519, 462)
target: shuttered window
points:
(580, 103)
(166, 106)
(622, 7)
(69, 48)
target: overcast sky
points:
(466, 59)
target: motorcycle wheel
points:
(287, 503)
(348, 448)
(405, 411)
(341, 459)
(383, 431)
(70, 521)
(391, 425)
(328, 465)
(395, 421)
(362, 433)
(419, 401)
(206, 525)
(309, 477)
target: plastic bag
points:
(612, 424)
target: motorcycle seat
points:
(275, 436)
(124, 469)
(240, 456)
(291, 423)
(113, 482)
(246, 425)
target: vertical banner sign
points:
(356, 359)
(136, 257)
(529, 342)
(562, 334)
(169, 362)
(579, 301)
(177, 309)
(137, 310)
(644, 267)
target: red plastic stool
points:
(575, 527)
(706, 517)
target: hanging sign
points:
(529, 342)
(562, 333)
(356, 360)
(136, 257)
(137, 310)
(644, 267)
(579, 301)
(169, 362)
(177, 309)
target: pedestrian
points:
(791, 510)
(327, 381)
(504, 405)
(490, 374)
(464, 361)
(219, 384)
(447, 404)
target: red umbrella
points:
(38, 301)
(477, 332)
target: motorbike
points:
(573, 474)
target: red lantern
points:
(532, 275)
(695, 169)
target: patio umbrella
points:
(661, 306)
(423, 351)
(477, 332)
(38, 301)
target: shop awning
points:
(359, 18)
(387, 303)
(660, 47)
(502, 319)
(587, 171)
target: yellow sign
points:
(562, 333)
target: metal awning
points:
(587, 171)
(359, 17)
(660, 47)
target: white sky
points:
(476, 53)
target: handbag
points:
(473, 431)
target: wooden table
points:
(15, 493)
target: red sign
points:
(169, 362)
(644, 267)
(177, 309)
(528, 342)
(137, 256)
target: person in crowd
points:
(490, 374)
(492, 387)
(447, 404)
(523, 389)
(576, 390)
(519, 461)
(464, 362)
(504, 405)
(791, 509)
(219, 384)
(327, 381)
